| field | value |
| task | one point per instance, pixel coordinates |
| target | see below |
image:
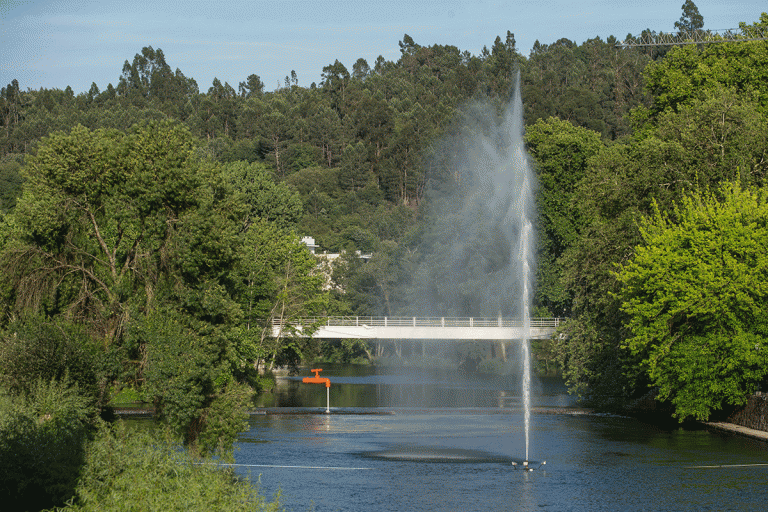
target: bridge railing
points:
(415, 321)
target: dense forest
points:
(150, 232)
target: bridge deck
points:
(419, 328)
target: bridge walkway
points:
(418, 328)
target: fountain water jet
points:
(524, 206)
(480, 248)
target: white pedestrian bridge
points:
(417, 328)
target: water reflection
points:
(361, 386)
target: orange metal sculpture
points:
(317, 379)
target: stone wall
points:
(754, 414)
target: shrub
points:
(131, 470)
(42, 444)
(188, 381)
(36, 350)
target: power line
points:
(729, 35)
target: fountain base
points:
(528, 465)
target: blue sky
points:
(55, 43)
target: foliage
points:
(689, 71)
(280, 282)
(132, 470)
(94, 225)
(255, 189)
(126, 395)
(347, 351)
(189, 381)
(593, 85)
(114, 227)
(10, 183)
(157, 195)
(560, 151)
(691, 19)
(696, 298)
(35, 350)
(718, 135)
(43, 435)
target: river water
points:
(421, 440)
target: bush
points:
(189, 384)
(125, 395)
(48, 350)
(42, 444)
(131, 470)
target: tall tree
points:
(360, 69)
(335, 82)
(93, 228)
(253, 86)
(691, 20)
(688, 72)
(695, 295)
(561, 152)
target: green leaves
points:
(43, 436)
(255, 189)
(128, 469)
(97, 217)
(689, 71)
(189, 379)
(168, 260)
(696, 297)
(691, 19)
(561, 152)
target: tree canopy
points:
(160, 254)
(691, 19)
(696, 297)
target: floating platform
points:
(528, 465)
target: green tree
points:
(273, 124)
(620, 185)
(718, 134)
(561, 152)
(695, 294)
(217, 111)
(189, 379)
(37, 350)
(688, 72)
(280, 282)
(129, 468)
(360, 69)
(353, 174)
(10, 183)
(253, 86)
(723, 132)
(149, 80)
(92, 231)
(335, 82)
(256, 191)
(691, 20)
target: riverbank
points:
(754, 415)
(750, 420)
(761, 435)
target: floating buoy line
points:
(278, 466)
(728, 466)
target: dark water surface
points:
(408, 440)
